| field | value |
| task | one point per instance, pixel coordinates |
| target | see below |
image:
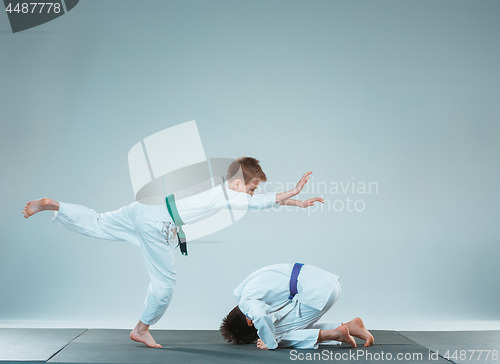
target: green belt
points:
(174, 214)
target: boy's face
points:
(239, 186)
(252, 186)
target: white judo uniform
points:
(151, 228)
(199, 206)
(263, 298)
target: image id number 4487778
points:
(25, 7)
(471, 355)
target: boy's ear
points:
(249, 322)
(238, 182)
(235, 184)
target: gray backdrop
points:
(400, 93)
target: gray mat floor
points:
(460, 346)
(34, 345)
(207, 346)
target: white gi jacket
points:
(202, 205)
(263, 297)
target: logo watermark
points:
(339, 196)
(25, 14)
(366, 355)
(360, 355)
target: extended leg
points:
(116, 225)
(42, 204)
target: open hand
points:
(302, 183)
(261, 345)
(310, 202)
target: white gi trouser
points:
(298, 328)
(135, 225)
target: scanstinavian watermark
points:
(339, 196)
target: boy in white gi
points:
(152, 228)
(279, 305)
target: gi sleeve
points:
(262, 201)
(243, 201)
(258, 312)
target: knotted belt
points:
(293, 280)
(282, 312)
(174, 214)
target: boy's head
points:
(236, 329)
(245, 175)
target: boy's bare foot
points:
(42, 204)
(141, 334)
(358, 329)
(341, 334)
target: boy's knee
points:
(165, 290)
(171, 280)
(163, 298)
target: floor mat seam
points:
(57, 352)
(451, 361)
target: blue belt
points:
(293, 280)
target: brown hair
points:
(249, 166)
(234, 328)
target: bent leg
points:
(300, 339)
(340, 334)
(299, 326)
(357, 328)
(303, 316)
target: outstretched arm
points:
(300, 185)
(303, 204)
